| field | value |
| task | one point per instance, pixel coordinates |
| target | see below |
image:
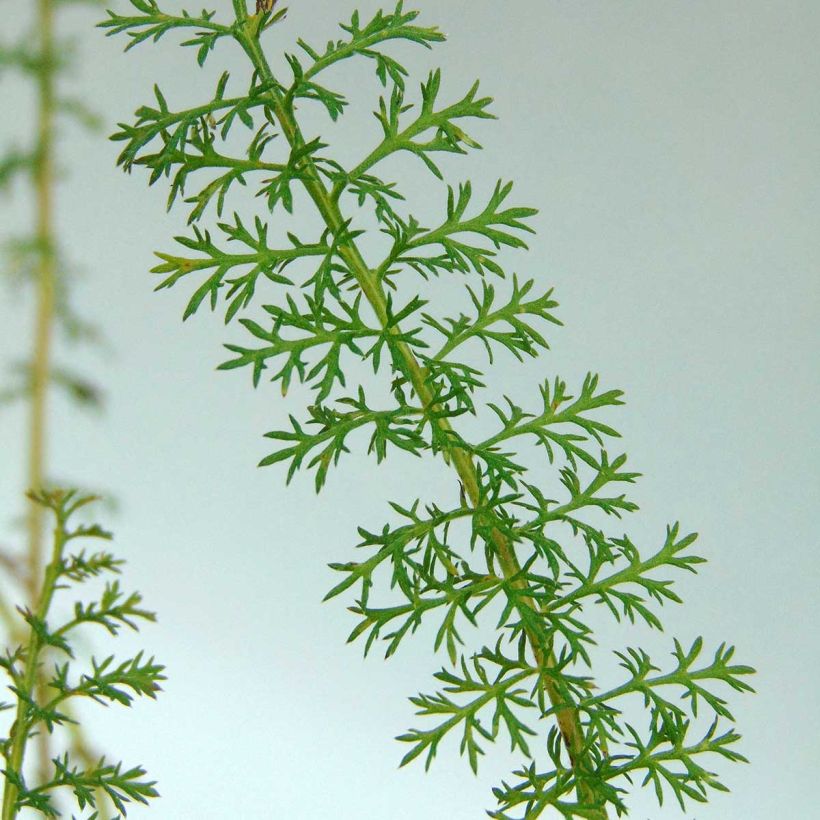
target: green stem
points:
(567, 716)
(216, 160)
(270, 256)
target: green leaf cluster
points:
(41, 708)
(541, 560)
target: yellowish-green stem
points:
(45, 301)
(567, 716)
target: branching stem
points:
(567, 716)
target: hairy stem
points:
(567, 716)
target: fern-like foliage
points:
(312, 307)
(39, 707)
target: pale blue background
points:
(672, 149)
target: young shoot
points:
(42, 708)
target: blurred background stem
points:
(43, 173)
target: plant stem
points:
(45, 301)
(20, 728)
(44, 317)
(566, 715)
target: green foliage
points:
(541, 558)
(42, 708)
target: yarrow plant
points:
(42, 708)
(313, 306)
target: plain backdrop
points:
(672, 150)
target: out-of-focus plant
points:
(34, 259)
(535, 554)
